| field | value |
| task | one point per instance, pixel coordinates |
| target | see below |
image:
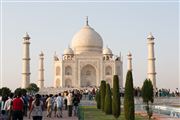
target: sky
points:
(124, 27)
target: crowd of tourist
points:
(167, 92)
(16, 106)
(158, 92)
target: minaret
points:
(151, 60)
(26, 62)
(41, 71)
(129, 64)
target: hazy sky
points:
(124, 27)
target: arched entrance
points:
(88, 76)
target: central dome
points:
(87, 40)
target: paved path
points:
(158, 116)
(65, 117)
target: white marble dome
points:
(87, 40)
(107, 51)
(68, 51)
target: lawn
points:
(91, 113)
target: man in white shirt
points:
(70, 104)
(8, 106)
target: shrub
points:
(98, 99)
(108, 100)
(103, 93)
(129, 97)
(116, 103)
(148, 96)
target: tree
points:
(108, 100)
(17, 90)
(148, 96)
(103, 93)
(5, 92)
(21, 90)
(32, 88)
(116, 103)
(98, 99)
(129, 97)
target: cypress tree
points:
(98, 99)
(148, 96)
(103, 93)
(116, 103)
(129, 97)
(147, 91)
(108, 100)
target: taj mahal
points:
(85, 62)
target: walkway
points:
(158, 116)
(65, 117)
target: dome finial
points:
(87, 21)
(26, 34)
(41, 53)
(150, 36)
(129, 54)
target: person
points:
(86, 93)
(75, 103)
(17, 106)
(177, 92)
(36, 108)
(25, 105)
(69, 104)
(49, 103)
(65, 100)
(3, 115)
(0, 102)
(55, 105)
(59, 102)
(8, 106)
(30, 102)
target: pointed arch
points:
(68, 70)
(88, 76)
(108, 70)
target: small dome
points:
(87, 40)
(68, 51)
(107, 51)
